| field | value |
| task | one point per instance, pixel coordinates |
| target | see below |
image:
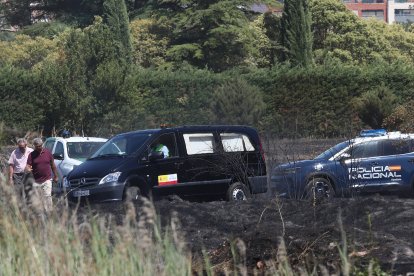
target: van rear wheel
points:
(237, 192)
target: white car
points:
(70, 152)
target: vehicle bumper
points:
(112, 191)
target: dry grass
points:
(61, 243)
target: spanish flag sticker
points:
(394, 168)
(167, 179)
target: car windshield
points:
(82, 150)
(122, 145)
(334, 150)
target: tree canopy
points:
(107, 66)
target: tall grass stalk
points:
(61, 243)
(343, 250)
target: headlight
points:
(112, 177)
(68, 167)
(65, 182)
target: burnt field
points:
(365, 229)
(365, 232)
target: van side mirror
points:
(155, 155)
(58, 156)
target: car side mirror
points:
(58, 156)
(344, 157)
(155, 155)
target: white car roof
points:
(80, 139)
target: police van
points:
(225, 161)
(375, 161)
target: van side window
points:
(167, 140)
(236, 142)
(199, 143)
(59, 148)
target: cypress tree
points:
(296, 33)
(116, 19)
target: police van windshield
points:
(332, 151)
(122, 145)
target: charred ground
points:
(376, 228)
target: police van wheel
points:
(237, 192)
(132, 193)
(319, 189)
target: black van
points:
(194, 161)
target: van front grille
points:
(83, 182)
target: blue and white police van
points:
(375, 161)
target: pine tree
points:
(296, 33)
(212, 34)
(237, 102)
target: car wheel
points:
(237, 191)
(132, 193)
(319, 189)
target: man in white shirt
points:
(17, 164)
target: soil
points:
(377, 228)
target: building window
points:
(404, 12)
(378, 14)
(404, 1)
(404, 16)
(372, 1)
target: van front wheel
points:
(132, 193)
(237, 191)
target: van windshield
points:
(122, 145)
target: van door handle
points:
(411, 161)
(374, 163)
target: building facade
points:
(401, 11)
(390, 11)
(368, 8)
